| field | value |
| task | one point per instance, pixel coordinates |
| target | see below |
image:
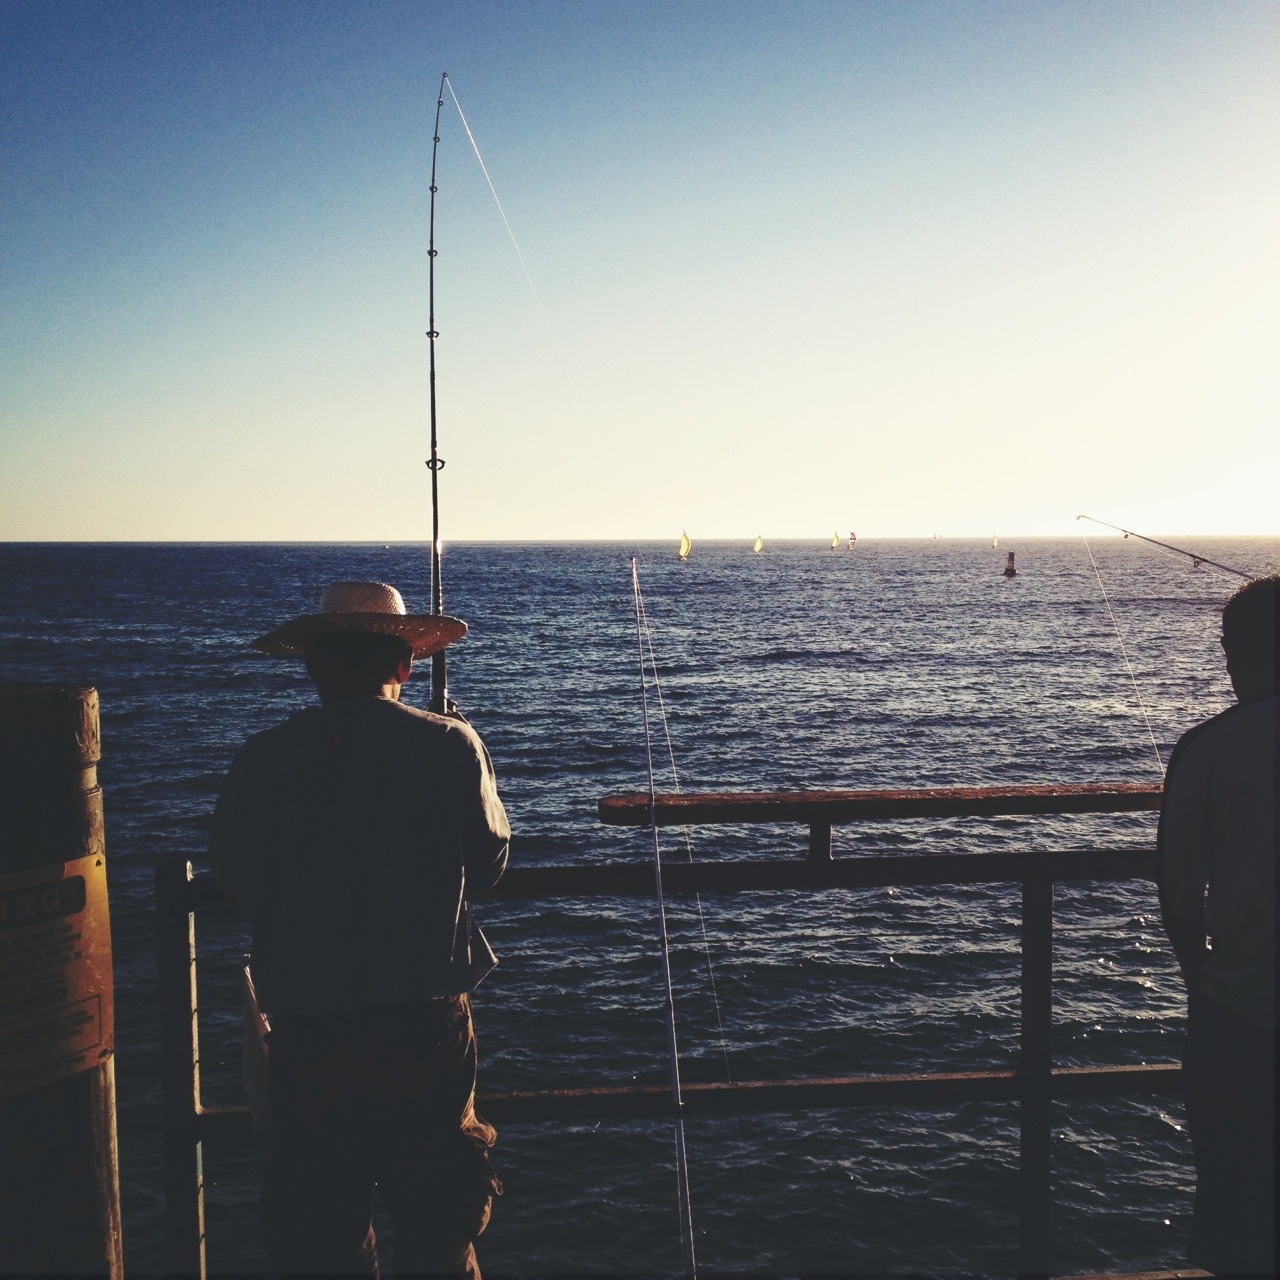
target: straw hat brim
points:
(428, 633)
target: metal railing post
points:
(180, 1071)
(1035, 1071)
(820, 841)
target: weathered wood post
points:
(59, 1171)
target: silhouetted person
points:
(1217, 860)
(354, 833)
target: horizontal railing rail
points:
(631, 809)
(652, 1102)
(822, 810)
(1034, 1084)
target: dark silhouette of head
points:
(1249, 637)
(358, 663)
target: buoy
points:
(1009, 570)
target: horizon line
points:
(708, 539)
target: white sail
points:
(685, 546)
(759, 544)
(995, 542)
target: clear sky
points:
(887, 266)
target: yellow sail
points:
(835, 542)
(759, 544)
(685, 546)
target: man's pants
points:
(1230, 1071)
(380, 1095)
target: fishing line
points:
(688, 843)
(706, 943)
(682, 1164)
(1141, 704)
(528, 275)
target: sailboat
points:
(995, 542)
(853, 541)
(685, 547)
(758, 547)
(835, 542)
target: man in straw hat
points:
(1217, 852)
(353, 834)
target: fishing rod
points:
(1191, 555)
(439, 681)
(439, 670)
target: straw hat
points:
(364, 606)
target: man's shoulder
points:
(451, 731)
(407, 714)
(1242, 721)
(273, 735)
(324, 718)
(420, 720)
(375, 720)
(265, 745)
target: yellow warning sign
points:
(55, 973)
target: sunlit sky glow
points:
(887, 266)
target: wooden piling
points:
(59, 1168)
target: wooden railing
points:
(1034, 1084)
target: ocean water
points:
(904, 663)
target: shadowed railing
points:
(1034, 1084)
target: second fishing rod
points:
(1195, 559)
